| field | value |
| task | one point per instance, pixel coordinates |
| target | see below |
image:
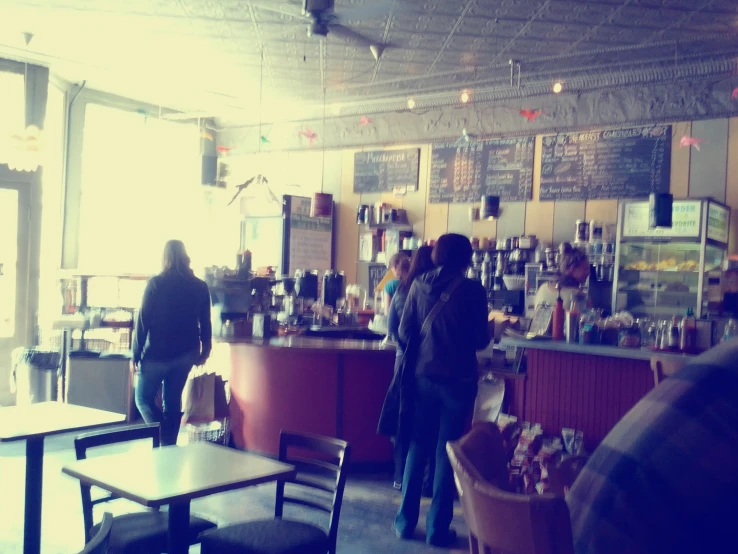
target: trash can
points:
(35, 376)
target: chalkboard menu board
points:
(383, 170)
(376, 274)
(619, 163)
(499, 167)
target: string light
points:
(410, 103)
(558, 87)
(464, 97)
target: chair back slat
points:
(321, 447)
(502, 521)
(302, 482)
(95, 439)
(99, 543)
(313, 466)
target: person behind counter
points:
(399, 265)
(421, 263)
(446, 317)
(173, 333)
(572, 273)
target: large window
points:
(12, 111)
(52, 192)
(140, 188)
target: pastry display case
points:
(667, 271)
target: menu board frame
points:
(373, 170)
(480, 176)
(569, 173)
(307, 241)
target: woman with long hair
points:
(399, 265)
(173, 333)
(420, 264)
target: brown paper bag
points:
(204, 398)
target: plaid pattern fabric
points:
(665, 479)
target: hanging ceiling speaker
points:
(660, 207)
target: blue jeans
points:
(440, 414)
(172, 376)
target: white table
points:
(33, 423)
(175, 475)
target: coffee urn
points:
(332, 288)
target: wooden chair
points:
(507, 522)
(282, 535)
(99, 543)
(141, 532)
(663, 367)
(484, 447)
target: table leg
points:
(34, 481)
(179, 528)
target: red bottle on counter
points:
(557, 318)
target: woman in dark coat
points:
(421, 263)
(445, 379)
(173, 334)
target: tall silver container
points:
(35, 375)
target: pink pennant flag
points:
(690, 141)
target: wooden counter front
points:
(587, 388)
(329, 387)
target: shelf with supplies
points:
(659, 291)
(386, 226)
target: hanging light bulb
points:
(465, 97)
(410, 103)
(558, 87)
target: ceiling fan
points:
(322, 19)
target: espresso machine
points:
(287, 305)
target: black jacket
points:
(448, 352)
(174, 318)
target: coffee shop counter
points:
(330, 387)
(585, 387)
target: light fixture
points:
(377, 50)
(660, 207)
(322, 205)
(410, 103)
(464, 97)
(558, 87)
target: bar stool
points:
(664, 367)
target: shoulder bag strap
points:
(445, 295)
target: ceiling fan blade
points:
(342, 31)
(376, 9)
(292, 10)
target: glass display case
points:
(668, 271)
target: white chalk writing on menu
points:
(467, 171)
(617, 163)
(382, 171)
